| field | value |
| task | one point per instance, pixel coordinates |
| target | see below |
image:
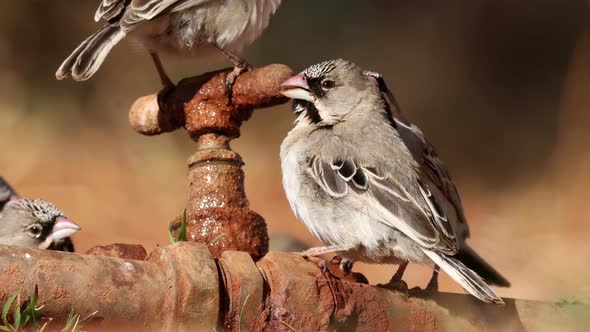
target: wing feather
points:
(431, 166)
(401, 210)
(145, 10)
(109, 9)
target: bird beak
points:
(14, 198)
(296, 88)
(63, 228)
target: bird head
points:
(326, 93)
(34, 223)
(7, 194)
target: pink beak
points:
(63, 228)
(14, 197)
(296, 88)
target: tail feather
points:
(466, 277)
(90, 54)
(473, 261)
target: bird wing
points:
(270, 6)
(136, 11)
(109, 9)
(419, 217)
(431, 166)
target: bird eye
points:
(35, 230)
(328, 84)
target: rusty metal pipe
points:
(178, 288)
(175, 286)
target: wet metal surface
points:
(181, 287)
(218, 212)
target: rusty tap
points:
(217, 208)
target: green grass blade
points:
(217, 238)
(182, 231)
(242, 312)
(30, 311)
(7, 306)
(171, 237)
(71, 322)
(16, 315)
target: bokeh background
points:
(501, 87)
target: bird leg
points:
(167, 83)
(164, 78)
(240, 67)
(433, 283)
(431, 288)
(396, 282)
(316, 251)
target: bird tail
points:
(87, 58)
(473, 261)
(466, 277)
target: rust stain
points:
(12, 275)
(217, 206)
(119, 250)
(422, 319)
(59, 292)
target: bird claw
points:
(324, 266)
(422, 293)
(231, 78)
(431, 288)
(396, 285)
(322, 263)
(344, 264)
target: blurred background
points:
(501, 87)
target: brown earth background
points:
(502, 89)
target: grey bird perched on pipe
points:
(192, 28)
(368, 184)
(35, 223)
(29, 223)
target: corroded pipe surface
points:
(218, 212)
(177, 288)
(200, 103)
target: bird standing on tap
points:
(186, 28)
(367, 183)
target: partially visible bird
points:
(6, 193)
(35, 223)
(368, 184)
(192, 28)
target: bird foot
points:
(163, 95)
(422, 292)
(430, 290)
(344, 264)
(322, 263)
(396, 285)
(230, 79)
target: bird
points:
(368, 184)
(185, 28)
(35, 223)
(7, 194)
